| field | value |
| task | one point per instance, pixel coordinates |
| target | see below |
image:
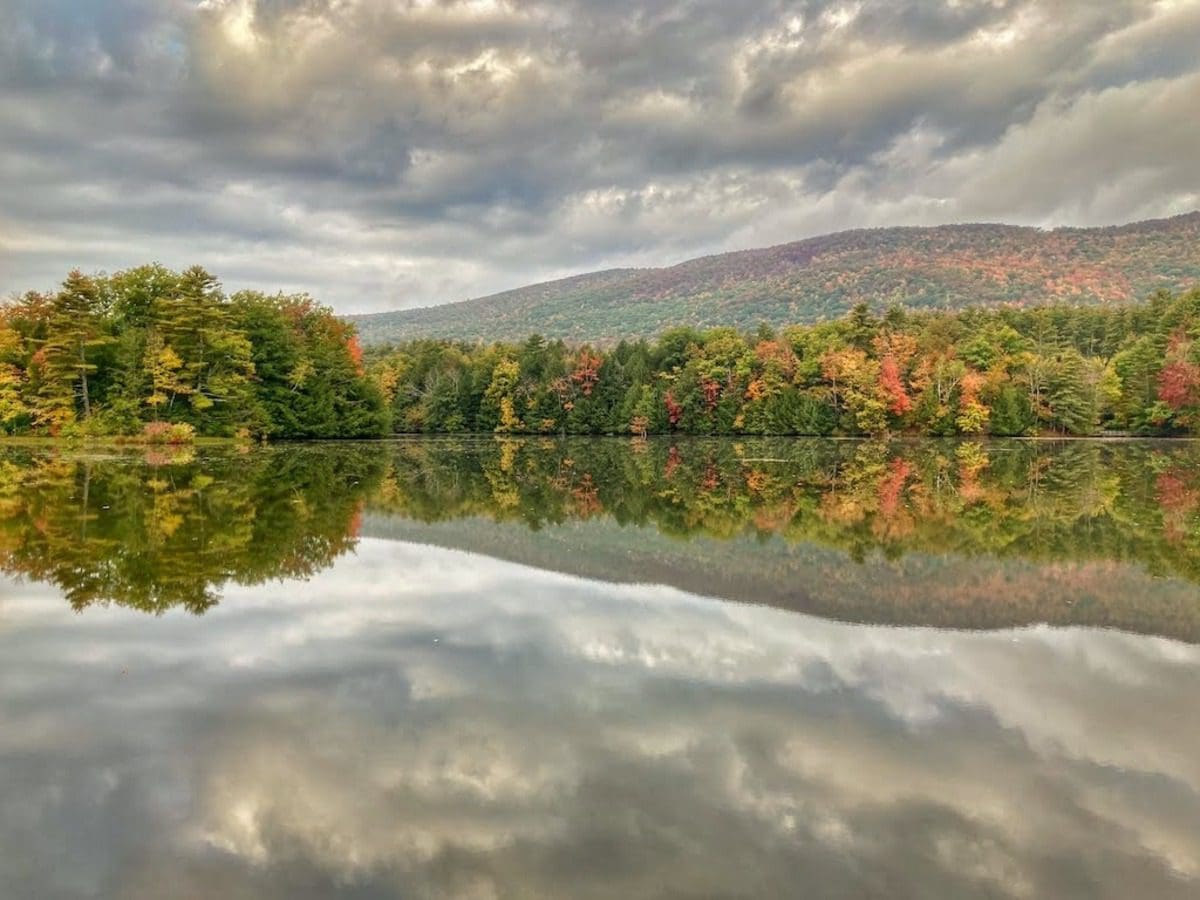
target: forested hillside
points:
(948, 267)
(168, 355)
(1060, 369)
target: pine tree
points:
(1070, 397)
(215, 359)
(74, 331)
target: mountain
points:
(949, 266)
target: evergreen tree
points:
(1071, 399)
(74, 331)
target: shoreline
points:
(116, 443)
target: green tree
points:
(75, 329)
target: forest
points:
(1062, 370)
(167, 355)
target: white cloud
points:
(384, 154)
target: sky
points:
(384, 154)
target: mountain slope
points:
(946, 266)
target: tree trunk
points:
(87, 403)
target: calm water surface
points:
(553, 669)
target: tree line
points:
(124, 353)
(1059, 369)
(148, 349)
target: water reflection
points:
(481, 729)
(962, 535)
(485, 669)
(959, 535)
(166, 529)
(1047, 501)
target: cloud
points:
(387, 153)
(482, 729)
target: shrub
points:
(167, 433)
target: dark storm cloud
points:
(386, 153)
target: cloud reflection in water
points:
(421, 722)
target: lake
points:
(599, 668)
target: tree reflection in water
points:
(159, 531)
(168, 529)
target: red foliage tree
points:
(674, 410)
(587, 371)
(1179, 384)
(891, 383)
(354, 348)
(776, 354)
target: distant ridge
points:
(945, 266)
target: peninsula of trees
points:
(150, 351)
(146, 349)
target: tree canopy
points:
(109, 354)
(113, 354)
(1053, 370)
